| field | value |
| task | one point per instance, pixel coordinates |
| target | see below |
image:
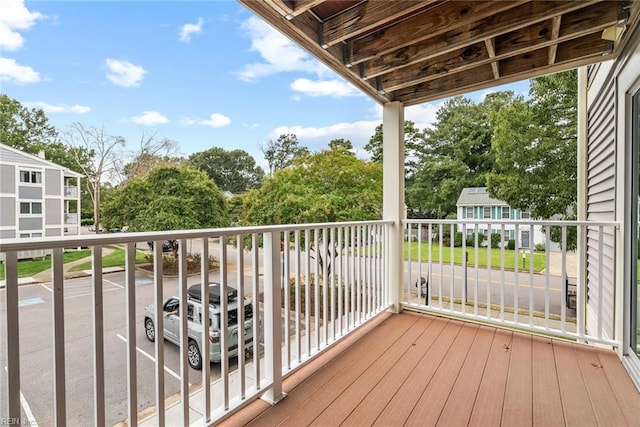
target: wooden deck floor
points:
(422, 370)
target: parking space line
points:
(89, 293)
(113, 283)
(46, 287)
(26, 408)
(153, 359)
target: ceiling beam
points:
(520, 17)
(491, 51)
(518, 43)
(291, 8)
(424, 26)
(555, 33)
(367, 16)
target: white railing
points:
(70, 191)
(525, 280)
(70, 218)
(336, 282)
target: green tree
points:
(413, 144)
(535, 145)
(279, 154)
(329, 186)
(456, 154)
(342, 145)
(169, 198)
(234, 171)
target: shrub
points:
(86, 221)
(495, 240)
(457, 239)
(511, 245)
(540, 247)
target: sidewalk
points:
(45, 276)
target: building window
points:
(505, 212)
(31, 208)
(469, 212)
(525, 215)
(33, 177)
(27, 235)
(487, 212)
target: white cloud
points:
(422, 115)
(150, 118)
(187, 121)
(216, 121)
(279, 54)
(14, 17)
(317, 138)
(336, 88)
(188, 29)
(60, 108)
(124, 73)
(11, 71)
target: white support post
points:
(581, 279)
(393, 195)
(272, 318)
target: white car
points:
(171, 312)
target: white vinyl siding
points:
(601, 166)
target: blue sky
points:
(202, 73)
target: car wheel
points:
(149, 329)
(193, 352)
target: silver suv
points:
(194, 323)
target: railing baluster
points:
(502, 230)
(286, 295)
(98, 337)
(332, 274)
(516, 263)
(316, 290)
(476, 270)
(184, 334)
(224, 322)
(531, 262)
(564, 283)
(307, 291)
(341, 284)
(12, 344)
(546, 275)
(158, 301)
(256, 308)
(600, 275)
(297, 295)
(440, 264)
(59, 394)
(240, 316)
(206, 325)
(130, 303)
(489, 268)
(429, 267)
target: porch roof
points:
(417, 51)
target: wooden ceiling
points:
(416, 51)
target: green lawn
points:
(496, 255)
(114, 259)
(28, 268)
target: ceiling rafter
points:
(555, 34)
(368, 16)
(422, 26)
(487, 28)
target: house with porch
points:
(475, 203)
(354, 341)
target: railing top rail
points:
(514, 222)
(18, 244)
